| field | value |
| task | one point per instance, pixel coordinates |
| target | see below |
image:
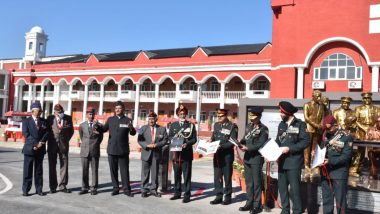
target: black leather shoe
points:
(226, 202)
(25, 194)
(129, 194)
(65, 190)
(245, 208)
(52, 191)
(115, 192)
(94, 192)
(144, 194)
(41, 193)
(186, 200)
(216, 201)
(82, 192)
(156, 194)
(175, 197)
(256, 210)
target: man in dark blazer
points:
(119, 127)
(91, 138)
(182, 160)
(255, 136)
(293, 139)
(60, 132)
(151, 138)
(224, 131)
(335, 168)
(34, 129)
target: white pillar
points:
(119, 92)
(85, 100)
(222, 94)
(156, 97)
(29, 97)
(42, 97)
(16, 98)
(70, 102)
(137, 103)
(56, 94)
(176, 102)
(34, 96)
(300, 77)
(198, 107)
(375, 78)
(101, 99)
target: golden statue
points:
(365, 115)
(373, 134)
(343, 111)
(313, 113)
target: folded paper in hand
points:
(319, 156)
(271, 151)
(205, 148)
(176, 145)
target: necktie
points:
(90, 125)
(152, 134)
(36, 121)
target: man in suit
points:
(255, 136)
(35, 133)
(185, 131)
(293, 139)
(91, 138)
(119, 127)
(335, 167)
(60, 132)
(224, 131)
(151, 138)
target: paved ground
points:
(12, 201)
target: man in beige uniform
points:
(313, 113)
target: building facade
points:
(332, 48)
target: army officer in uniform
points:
(293, 139)
(224, 131)
(255, 136)
(185, 131)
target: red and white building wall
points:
(327, 45)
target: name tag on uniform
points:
(225, 131)
(123, 126)
(293, 130)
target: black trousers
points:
(63, 169)
(30, 162)
(290, 177)
(86, 161)
(254, 179)
(114, 162)
(339, 190)
(183, 167)
(149, 169)
(223, 169)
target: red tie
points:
(152, 134)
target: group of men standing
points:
(292, 139)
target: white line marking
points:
(8, 184)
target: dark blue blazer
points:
(33, 136)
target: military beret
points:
(181, 108)
(58, 108)
(152, 114)
(36, 105)
(90, 110)
(287, 108)
(254, 112)
(221, 112)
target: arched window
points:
(338, 66)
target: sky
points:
(99, 26)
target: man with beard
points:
(335, 166)
(293, 139)
(185, 131)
